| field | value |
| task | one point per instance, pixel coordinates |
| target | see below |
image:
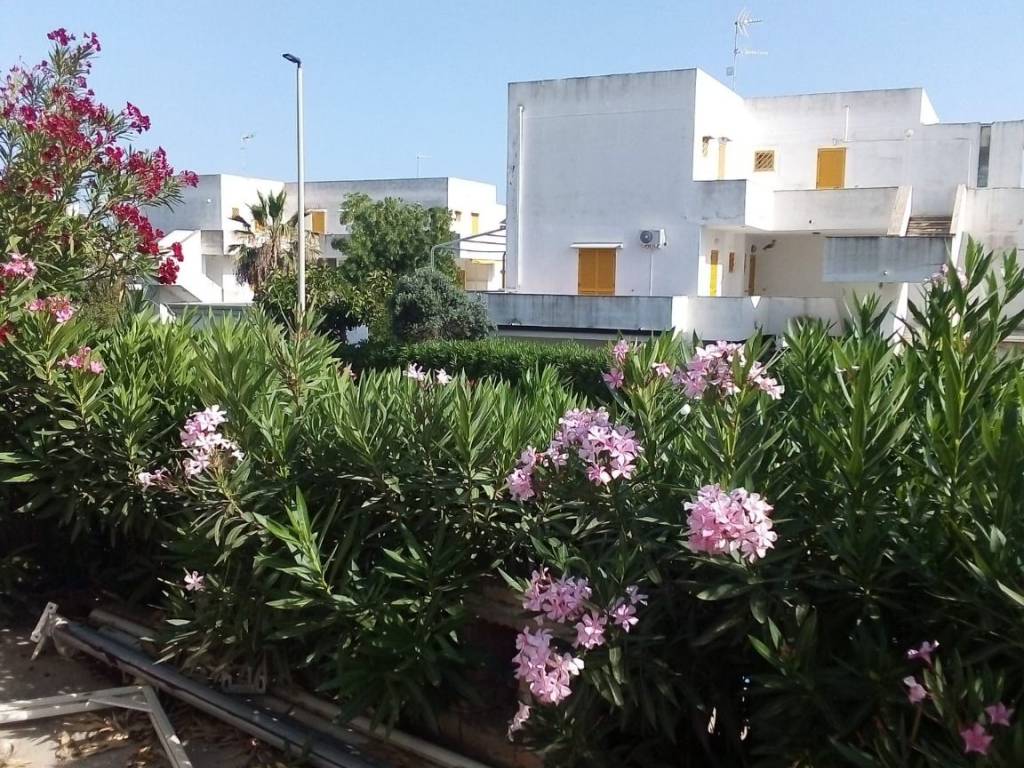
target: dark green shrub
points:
(428, 305)
(579, 367)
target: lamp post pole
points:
(300, 267)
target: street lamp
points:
(300, 267)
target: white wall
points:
(1006, 155)
(603, 158)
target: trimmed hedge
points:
(580, 367)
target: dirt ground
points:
(107, 738)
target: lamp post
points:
(300, 267)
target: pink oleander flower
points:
(624, 615)
(415, 372)
(18, 267)
(443, 377)
(976, 739)
(560, 600)
(711, 369)
(520, 484)
(590, 631)
(614, 378)
(82, 360)
(635, 596)
(157, 477)
(661, 369)
(204, 442)
(195, 581)
(608, 452)
(998, 714)
(725, 523)
(620, 352)
(518, 720)
(923, 652)
(915, 691)
(58, 307)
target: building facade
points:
(640, 202)
(204, 224)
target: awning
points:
(596, 245)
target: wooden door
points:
(596, 272)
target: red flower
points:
(189, 179)
(6, 332)
(176, 251)
(167, 274)
(61, 36)
(93, 41)
(138, 121)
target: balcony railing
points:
(730, 318)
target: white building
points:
(757, 210)
(203, 223)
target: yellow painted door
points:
(318, 223)
(596, 272)
(831, 168)
(721, 158)
(474, 223)
(713, 274)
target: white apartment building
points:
(640, 202)
(203, 223)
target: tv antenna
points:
(418, 159)
(741, 28)
(245, 137)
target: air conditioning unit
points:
(653, 238)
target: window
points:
(732, 262)
(457, 216)
(461, 278)
(596, 272)
(764, 160)
(831, 168)
(318, 222)
(235, 213)
(474, 225)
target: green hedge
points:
(579, 367)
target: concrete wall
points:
(602, 159)
(1006, 155)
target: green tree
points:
(269, 240)
(392, 236)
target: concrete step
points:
(929, 226)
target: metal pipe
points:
(318, 708)
(274, 730)
(325, 709)
(300, 266)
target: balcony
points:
(731, 318)
(742, 203)
(883, 259)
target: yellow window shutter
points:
(713, 274)
(831, 168)
(318, 222)
(606, 272)
(474, 223)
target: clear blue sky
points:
(389, 79)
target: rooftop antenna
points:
(246, 137)
(418, 158)
(741, 28)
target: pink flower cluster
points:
(616, 377)
(59, 308)
(82, 360)
(17, 267)
(547, 671)
(976, 737)
(608, 452)
(946, 275)
(423, 376)
(203, 440)
(711, 369)
(158, 478)
(724, 523)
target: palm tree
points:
(269, 240)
